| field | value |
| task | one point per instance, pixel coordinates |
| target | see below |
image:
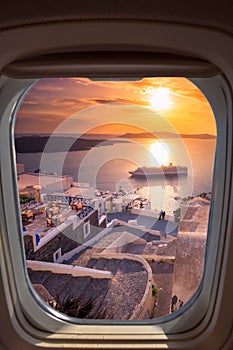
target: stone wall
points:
(62, 269)
(190, 252)
(46, 252)
(189, 264)
(103, 223)
(195, 215)
(163, 272)
(66, 240)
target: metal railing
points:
(85, 212)
(67, 199)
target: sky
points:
(79, 105)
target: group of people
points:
(162, 215)
(76, 205)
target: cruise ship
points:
(165, 170)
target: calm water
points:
(106, 167)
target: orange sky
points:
(78, 105)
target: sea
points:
(106, 167)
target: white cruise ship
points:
(163, 170)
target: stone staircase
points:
(86, 289)
(126, 289)
(163, 247)
(111, 298)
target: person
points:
(163, 214)
(160, 214)
(173, 303)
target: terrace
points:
(41, 219)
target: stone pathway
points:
(163, 226)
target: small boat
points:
(163, 170)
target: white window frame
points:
(209, 313)
(86, 229)
(58, 252)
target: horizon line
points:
(117, 134)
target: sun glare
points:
(160, 153)
(160, 98)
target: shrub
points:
(176, 214)
(154, 291)
(73, 307)
(24, 198)
(186, 199)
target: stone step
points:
(75, 287)
(38, 277)
(105, 264)
(112, 265)
(91, 262)
(54, 283)
(95, 294)
(130, 266)
(90, 292)
(135, 248)
(126, 291)
(82, 261)
(57, 283)
(100, 264)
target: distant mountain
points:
(99, 136)
(35, 143)
(164, 134)
(198, 136)
(142, 135)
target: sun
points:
(160, 152)
(160, 98)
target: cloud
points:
(119, 100)
(52, 101)
(191, 94)
(47, 88)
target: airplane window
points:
(115, 185)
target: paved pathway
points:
(163, 226)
